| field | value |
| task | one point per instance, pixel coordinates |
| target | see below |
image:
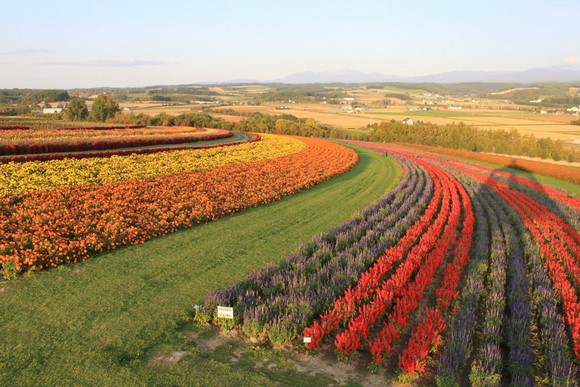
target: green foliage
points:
(401, 96)
(478, 377)
(552, 95)
(288, 124)
(9, 271)
(32, 97)
(281, 333)
(454, 88)
(77, 110)
(300, 93)
(447, 381)
(104, 107)
(160, 98)
(253, 329)
(200, 120)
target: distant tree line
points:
(456, 136)
(401, 96)
(300, 94)
(461, 136)
(28, 97)
(23, 101)
(195, 119)
(552, 95)
(289, 124)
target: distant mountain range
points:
(537, 75)
(548, 74)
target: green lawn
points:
(102, 322)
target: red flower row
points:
(558, 243)
(103, 145)
(368, 284)
(121, 152)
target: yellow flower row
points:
(20, 178)
(10, 137)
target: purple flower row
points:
(529, 295)
(460, 341)
(281, 300)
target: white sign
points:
(225, 312)
(307, 340)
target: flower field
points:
(67, 140)
(20, 178)
(462, 274)
(65, 211)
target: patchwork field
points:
(554, 127)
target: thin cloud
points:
(110, 63)
(27, 51)
(571, 59)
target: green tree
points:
(103, 108)
(77, 110)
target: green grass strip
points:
(101, 322)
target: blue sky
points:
(68, 44)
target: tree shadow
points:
(531, 300)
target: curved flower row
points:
(498, 245)
(512, 311)
(17, 179)
(280, 301)
(56, 136)
(411, 292)
(562, 262)
(426, 334)
(68, 224)
(367, 286)
(139, 150)
(107, 143)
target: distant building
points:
(573, 110)
(454, 107)
(408, 121)
(51, 110)
(543, 112)
(539, 100)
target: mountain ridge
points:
(535, 75)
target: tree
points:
(103, 108)
(77, 110)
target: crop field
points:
(344, 262)
(327, 104)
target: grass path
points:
(101, 322)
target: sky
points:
(123, 43)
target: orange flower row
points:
(68, 224)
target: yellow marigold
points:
(20, 178)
